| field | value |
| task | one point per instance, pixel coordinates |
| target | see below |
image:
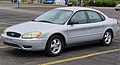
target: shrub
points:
(107, 3)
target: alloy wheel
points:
(55, 46)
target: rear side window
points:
(94, 16)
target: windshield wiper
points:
(43, 21)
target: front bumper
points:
(25, 44)
(117, 8)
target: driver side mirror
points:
(73, 21)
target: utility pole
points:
(18, 3)
(79, 3)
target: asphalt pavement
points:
(93, 54)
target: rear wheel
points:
(54, 46)
(116, 9)
(107, 38)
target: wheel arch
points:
(59, 34)
(109, 29)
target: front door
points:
(78, 31)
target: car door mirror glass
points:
(73, 21)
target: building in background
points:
(15, 1)
(62, 2)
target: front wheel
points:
(107, 38)
(54, 46)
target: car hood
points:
(33, 26)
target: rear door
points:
(96, 25)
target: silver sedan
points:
(117, 7)
(61, 27)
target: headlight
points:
(31, 35)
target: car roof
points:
(80, 8)
(76, 8)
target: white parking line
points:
(80, 57)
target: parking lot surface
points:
(92, 54)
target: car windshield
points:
(55, 16)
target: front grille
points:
(11, 44)
(13, 34)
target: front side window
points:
(94, 16)
(79, 17)
(55, 16)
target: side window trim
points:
(101, 16)
(88, 19)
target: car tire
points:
(107, 38)
(55, 45)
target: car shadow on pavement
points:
(81, 47)
(23, 53)
(94, 46)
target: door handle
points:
(103, 25)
